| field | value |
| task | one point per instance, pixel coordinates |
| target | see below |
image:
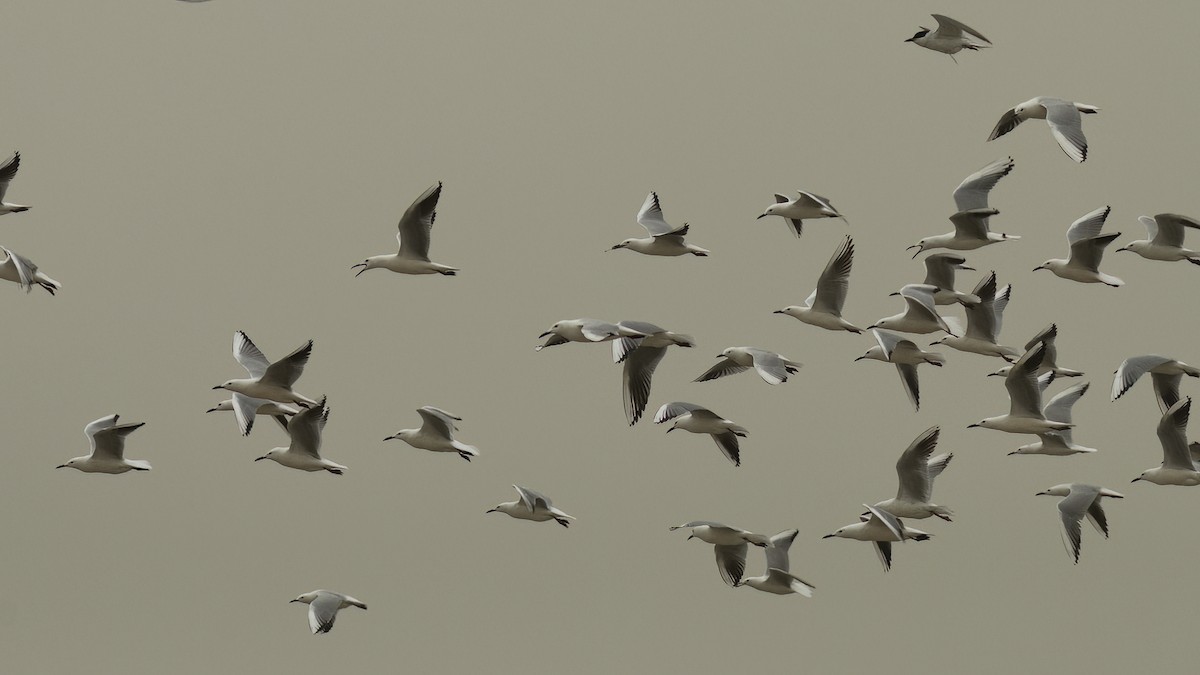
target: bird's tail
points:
(682, 340)
(467, 451)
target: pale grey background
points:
(198, 169)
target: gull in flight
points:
(1047, 337)
(1066, 125)
(804, 207)
(916, 468)
(1087, 249)
(823, 307)
(939, 273)
(1057, 410)
(1025, 399)
(973, 191)
(906, 355)
(583, 330)
(280, 412)
(641, 356)
(304, 450)
(773, 368)
(983, 322)
(267, 381)
(532, 506)
(777, 579)
(700, 420)
(1165, 372)
(323, 606)
(664, 239)
(729, 544)
(413, 235)
(436, 434)
(1178, 466)
(919, 315)
(107, 439)
(882, 528)
(7, 170)
(1081, 500)
(971, 231)
(1166, 239)
(950, 37)
(22, 270)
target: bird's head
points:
(918, 35)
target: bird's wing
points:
(1072, 509)
(919, 303)
(102, 423)
(731, 562)
(1166, 389)
(1132, 369)
(635, 379)
(599, 331)
(1047, 336)
(1008, 121)
(998, 307)
(1172, 433)
(938, 464)
(533, 498)
(670, 411)
(1169, 228)
(416, 223)
(886, 519)
(305, 429)
(1066, 127)
(623, 347)
(916, 485)
(1059, 407)
(651, 217)
(884, 550)
(249, 355)
(720, 369)
(948, 27)
(322, 612)
(834, 281)
(110, 442)
(26, 270)
(728, 443)
(777, 552)
(972, 193)
(244, 410)
(1024, 396)
(939, 269)
(769, 365)
(287, 370)
(887, 341)
(972, 224)
(785, 578)
(438, 421)
(7, 171)
(912, 386)
(1086, 242)
(981, 318)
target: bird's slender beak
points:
(260, 458)
(914, 255)
(549, 332)
(291, 601)
(670, 430)
(490, 511)
(861, 357)
(909, 40)
(219, 386)
(1014, 452)
(614, 248)
(364, 269)
(972, 426)
(1123, 248)
(1039, 267)
(1038, 494)
(211, 410)
(964, 267)
(762, 216)
(779, 311)
(828, 536)
(873, 326)
(61, 466)
(389, 438)
(1136, 479)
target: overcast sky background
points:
(196, 169)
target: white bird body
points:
(778, 579)
(1166, 239)
(436, 434)
(1063, 117)
(107, 439)
(950, 37)
(268, 380)
(304, 451)
(664, 239)
(323, 607)
(700, 420)
(939, 273)
(823, 308)
(21, 270)
(906, 355)
(919, 315)
(916, 469)
(1087, 250)
(804, 207)
(583, 330)
(882, 528)
(1164, 371)
(1080, 501)
(983, 322)
(773, 368)
(971, 231)
(1058, 409)
(1049, 336)
(729, 545)
(1178, 466)
(413, 236)
(532, 506)
(641, 356)
(1025, 400)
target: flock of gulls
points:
(639, 347)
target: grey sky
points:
(196, 169)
